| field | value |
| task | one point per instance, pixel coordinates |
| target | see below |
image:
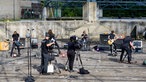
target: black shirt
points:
(85, 36)
(71, 46)
(44, 46)
(111, 36)
(126, 42)
(15, 37)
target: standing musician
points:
(45, 44)
(15, 39)
(52, 38)
(127, 46)
(111, 39)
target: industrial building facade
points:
(13, 9)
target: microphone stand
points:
(29, 78)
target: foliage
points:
(133, 12)
(72, 12)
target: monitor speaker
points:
(138, 45)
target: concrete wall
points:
(64, 29)
(90, 11)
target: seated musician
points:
(112, 38)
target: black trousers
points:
(44, 62)
(71, 57)
(128, 52)
(13, 46)
(113, 48)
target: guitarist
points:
(112, 38)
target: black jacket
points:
(15, 37)
(126, 42)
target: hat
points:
(73, 38)
(47, 35)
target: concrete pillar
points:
(17, 9)
(99, 12)
(44, 13)
(57, 12)
(90, 11)
(10, 9)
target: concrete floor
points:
(102, 68)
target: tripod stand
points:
(77, 57)
(81, 70)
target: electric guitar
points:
(110, 41)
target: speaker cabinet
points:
(104, 39)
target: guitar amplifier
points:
(104, 39)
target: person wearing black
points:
(52, 38)
(71, 52)
(127, 46)
(45, 44)
(15, 39)
(84, 40)
(84, 36)
(112, 37)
